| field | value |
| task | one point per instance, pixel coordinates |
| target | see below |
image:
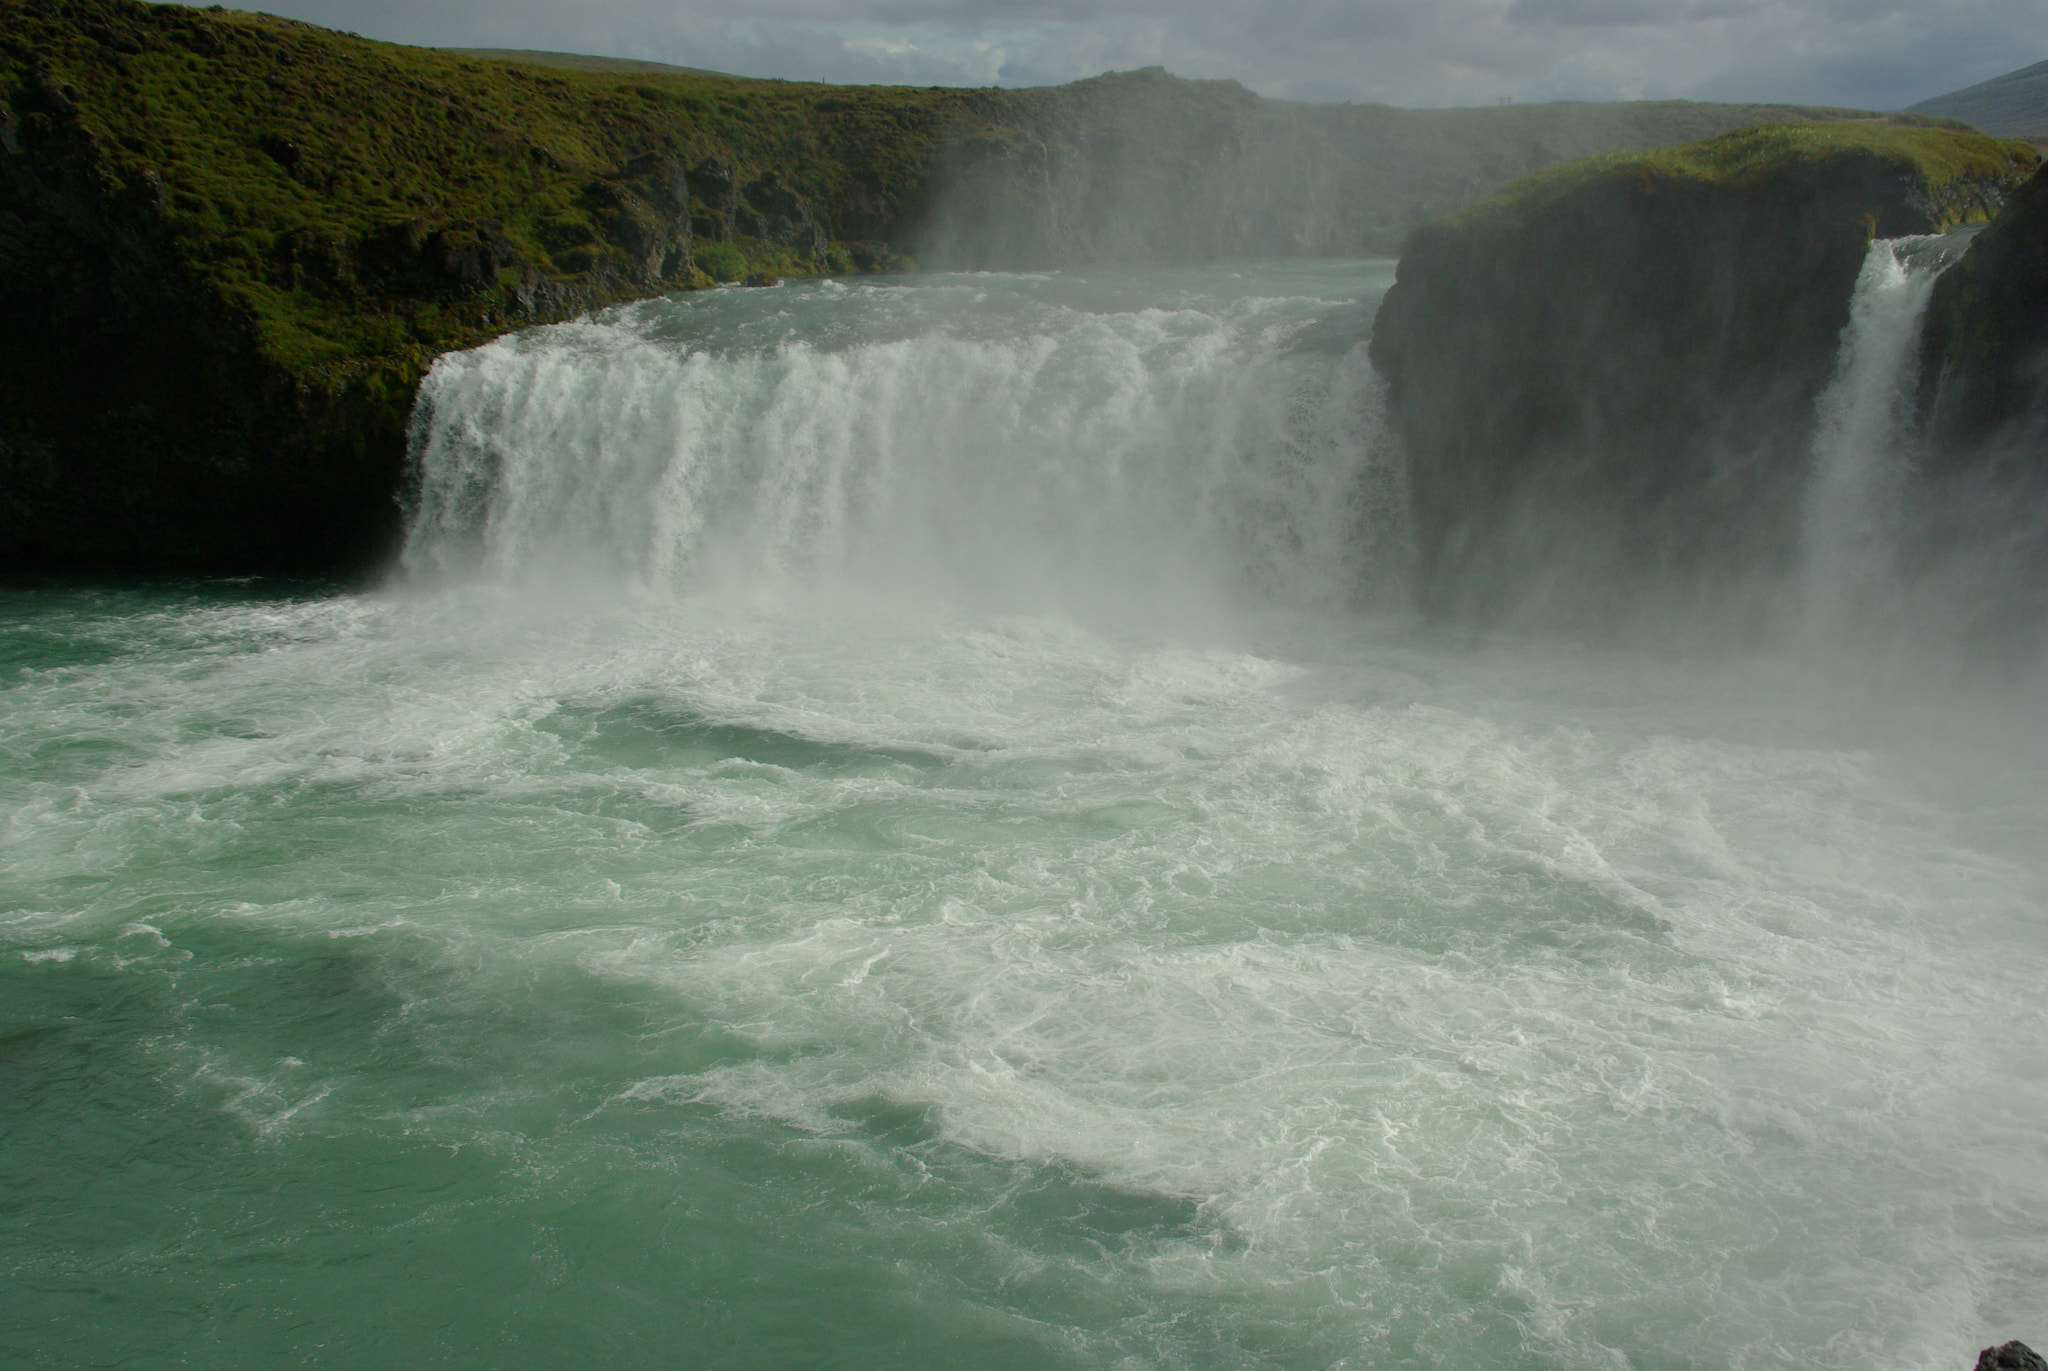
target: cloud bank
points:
(1877, 54)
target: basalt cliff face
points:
(1984, 351)
(1984, 415)
(1605, 377)
(231, 245)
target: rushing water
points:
(897, 826)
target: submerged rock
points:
(1604, 377)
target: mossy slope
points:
(1605, 375)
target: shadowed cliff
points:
(1605, 377)
(1984, 407)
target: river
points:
(905, 824)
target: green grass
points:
(1938, 154)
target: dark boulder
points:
(2011, 1356)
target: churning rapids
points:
(904, 825)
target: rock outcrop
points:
(1980, 488)
(2011, 1356)
(1605, 376)
(1984, 348)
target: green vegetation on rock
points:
(1951, 174)
(355, 197)
(231, 244)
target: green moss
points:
(1939, 154)
(722, 262)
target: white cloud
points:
(1872, 53)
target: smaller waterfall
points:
(1862, 454)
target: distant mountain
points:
(2014, 105)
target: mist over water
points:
(904, 825)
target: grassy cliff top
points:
(274, 151)
(1938, 155)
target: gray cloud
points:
(1871, 53)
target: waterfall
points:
(1862, 453)
(1007, 440)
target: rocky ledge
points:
(1984, 349)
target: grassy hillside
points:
(325, 184)
(2014, 105)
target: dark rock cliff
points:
(1981, 486)
(1984, 351)
(1605, 377)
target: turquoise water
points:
(1027, 903)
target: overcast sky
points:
(1876, 54)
